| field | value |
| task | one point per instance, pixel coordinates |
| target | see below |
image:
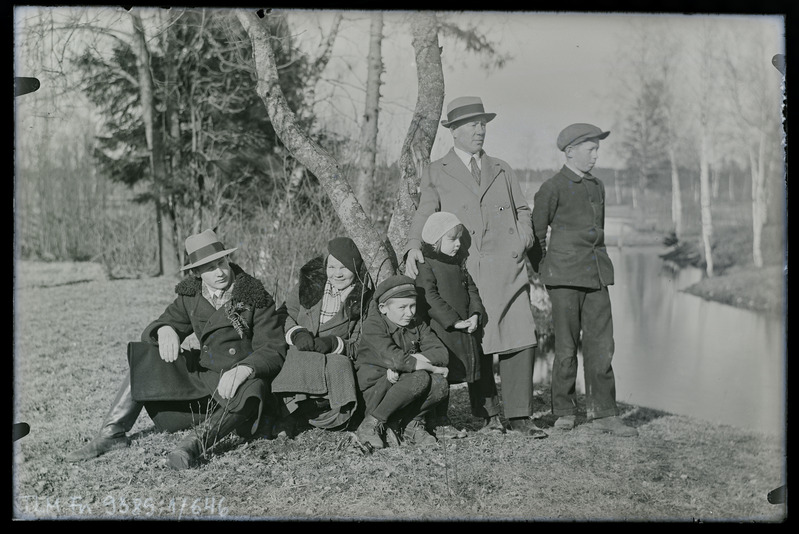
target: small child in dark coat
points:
(401, 368)
(450, 303)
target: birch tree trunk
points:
(368, 142)
(421, 134)
(757, 164)
(168, 259)
(379, 260)
(676, 192)
(704, 195)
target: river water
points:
(682, 354)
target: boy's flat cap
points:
(398, 285)
(575, 134)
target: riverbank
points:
(678, 469)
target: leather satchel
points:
(153, 379)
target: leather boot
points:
(202, 439)
(117, 422)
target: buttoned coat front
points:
(498, 230)
(257, 343)
(574, 208)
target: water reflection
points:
(682, 354)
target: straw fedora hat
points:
(204, 248)
(464, 108)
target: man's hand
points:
(436, 370)
(414, 256)
(168, 344)
(392, 376)
(232, 379)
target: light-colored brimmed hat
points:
(464, 108)
(574, 134)
(204, 248)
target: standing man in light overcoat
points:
(484, 193)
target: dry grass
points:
(70, 355)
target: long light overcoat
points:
(498, 226)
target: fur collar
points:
(313, 276)
(429, 251)
(246, 289)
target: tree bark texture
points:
(421, 134)
(380, 262)
(367, 153)
(168, 257)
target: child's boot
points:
(416, 434)
(369, 432)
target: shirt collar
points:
(216, 293)
(465, 157)
(578, 173)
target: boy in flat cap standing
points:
(577, 272)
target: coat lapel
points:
(489, 170)
(453, 166)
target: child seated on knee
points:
(401, 367)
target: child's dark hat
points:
(574, 134)
(395, 286)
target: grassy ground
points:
(70, 356)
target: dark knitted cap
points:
(398, 285)
(345, 251)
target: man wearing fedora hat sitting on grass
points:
(484, 193)
(577, 271)
(242, 349)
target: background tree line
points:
(179, 136)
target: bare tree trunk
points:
(368, 143)
(676, 194)
(730, 188)
(757, 164)
(421, 134)
(704, 193)
(380, 261)
(617, 186)
(168, 259)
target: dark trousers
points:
(576, 309)
(412, 397)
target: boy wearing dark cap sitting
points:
(577, 271)
(401, 367)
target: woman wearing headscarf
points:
(323, 327)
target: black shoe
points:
(526, 427)
(96, 447)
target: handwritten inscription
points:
(121, 506)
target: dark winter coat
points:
(574, 208)
(447, 295)
(384, 345)
(257, 341)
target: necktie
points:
(475, 169)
